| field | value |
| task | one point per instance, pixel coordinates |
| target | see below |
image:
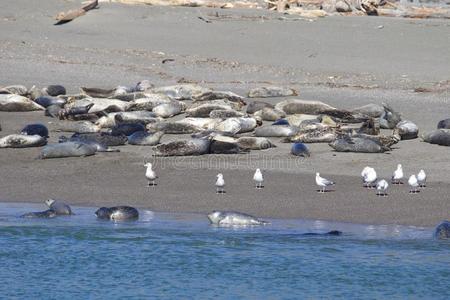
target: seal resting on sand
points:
(358, 144)
(67, 149)
(231, 218)
(439, 136)
(117, 213)
(33, 129)
(193, 146)
(22, 141)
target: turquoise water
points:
(180, 256)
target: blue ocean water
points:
(180, 256)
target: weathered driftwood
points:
(64, 17)
(190, 3)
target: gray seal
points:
(67, 149)
(439, 137)
(231, 218)
(183, 148)
(22, 141)
(358, 144)
(59, 207)
(442, 231)
(117, 213)
(143, 138)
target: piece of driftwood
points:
(65, 17)
(190, 3)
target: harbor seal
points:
(22, 141)
(442, 231)
(46, 101)
(190, 147)
(48, 214)
(102, 105)
(170, 127)
(70, 112)
(67, 149)
(271, 91)
(300, 149)
(371, 110)
(14, 89)
(103, 138)
(407, 130)
(79, 127)
(127, 129)
(257, 105)
(99, 147)
(203, 111)
(33, 129)
(54, 90)
(140, 116)
(224, 145)
(231, 218)
(143, 138)
(14, 102)
(444, 124)
(389, 118)
(182, 91)
(275, 131)
(270, 114)
(117, 213)
(59, 207)
(297, 106)
(149, 102)
(53, 111)
(439, 137)
(167, 110)
(254, 143)
(214, 95)
(225, 114)
(321, 134)
(281, 122)
(358, 144)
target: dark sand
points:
(344, 61)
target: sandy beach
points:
(343, 61)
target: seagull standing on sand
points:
(412, 181)
(398, 175)
(323, 183)
(364, 172)
(258, 178)
(382, 187)
(220, 184)
(150, 174)
(422, 178)
(370, 177)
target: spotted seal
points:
(167, 110)
(170, 127)
(358, 144)
(271, 91)
(254, 143)
(270, 114)
(79, 127)
(103, 138)
(256, 106)
(298, 106)
(182, 91)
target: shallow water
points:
(173, 256)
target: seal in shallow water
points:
(231, 218)
(59, 207)
(117, 213)
(442, 231)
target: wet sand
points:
(343, 61)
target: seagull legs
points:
(152, 183)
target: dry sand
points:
(241, 49)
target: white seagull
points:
(382, 187)
(412, 181)
(398, 175)
(422, 178)
(150, 174)
(220, 184)
(323, 183)
(258, 178)
(370, 177)
(364, 172)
